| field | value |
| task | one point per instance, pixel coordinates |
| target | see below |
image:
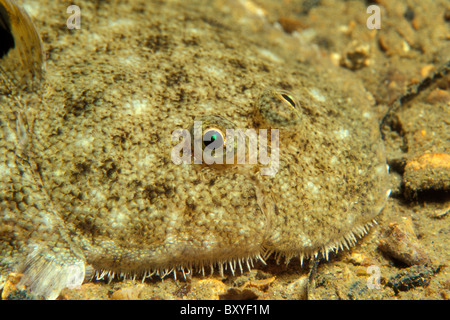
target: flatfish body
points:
(106, 164)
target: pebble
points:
(10, 285)
(290, 25)
(207, 289)
(360, 259)
(401, 243)
(250, 286)
(128, 293)
(240, 294)
(430, 171)
(297, 290)
(426, 70)
(438, 96)
(357, 290)
(252, 289)
(86, 292)
(356, 58)
(391, 43)
(407, 279)
(262, 284)
(440, 213)
(447, 15)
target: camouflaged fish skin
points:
(87, 177)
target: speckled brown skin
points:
(87, 174)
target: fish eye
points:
(289, 98)
(210, 143)
(214, 137)
(277, 107)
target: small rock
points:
(426, 70)
(438, 96)
(10, 290)
(182, 290)
(409, 13)
(445, 295)
(297, 290)
(290, 25)
(356, 58)
(435, 160)
(262, 284)
(446, 290)
(357, 290)
(239, 294)
(440, 213)
(416, 23)
(430, 171)
(87, 291)
(407, 279)
(207, 289)
(128, 293)
(360, 259)
(402, 244)
(447, 285)
(250, 290)
(447, 15)
(392, 43)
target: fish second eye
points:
(277, 108)
(209, 142)
(289, 99)
(214, 138)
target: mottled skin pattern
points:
(87, 177)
